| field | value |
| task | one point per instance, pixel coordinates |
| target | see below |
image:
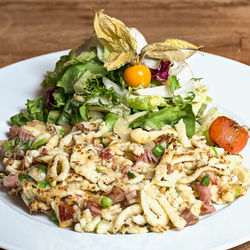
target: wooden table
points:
(33, 27)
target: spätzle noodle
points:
(68, 176)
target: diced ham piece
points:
(147, 157)
(205, 196)
(23, 134)
(10, 181)
(204, 192)
(131, 195)
(125, 171)
(206, 208)
(14, 131)
(214, 178)
(190, 218)
(117, 194)
(105, 154)
(66, 212)
(93, 207)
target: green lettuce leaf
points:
(168, 115)
(145, 102)
(36, 110)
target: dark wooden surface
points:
(33, 27)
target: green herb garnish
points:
(8, 145)
(42, 167)
(214, 150)
(53, 217)
(106, 202)
(205, 180)
(38, 143)
(27, 145)
(43, 184)
(158, 150)
(131, 175)
(26, 177)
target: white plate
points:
(228, 227)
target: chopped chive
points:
(16, 142)
(42, 167)
(131, 175)
(62, 132)
(38, 143)
(215, 151)
(27, 145)
(205, 180)
(106, 202)
(167, 188)
(158, 150)
(53, 216)
(43, 184)
(8, 145)
(98, 170)
(26, 177)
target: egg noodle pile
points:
(96, 181)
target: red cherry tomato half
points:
(228, 134)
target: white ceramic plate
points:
(229, 87)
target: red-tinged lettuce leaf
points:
(162, 72)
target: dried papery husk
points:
(174, 50)
(114, 34)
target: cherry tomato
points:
(228, 134)
(136, 75)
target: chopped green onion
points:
(167, 188)
(237, 192)
(101, 141)
(43, 184)
(27, 145)
(98, 170)
(208, 138)
(8, 145)
(205, 180)
(94, 192)
(39, 143)
(26, 177)
(158, 150)
(53, 216)
(106, 202)
(16, 142)
(131, 175)
(215, 151)
(42, 167)
(62, 132)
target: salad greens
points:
(88, 83)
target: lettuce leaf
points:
(147, 103)
(168, 115)
(36, 110)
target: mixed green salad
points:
(115, 73)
